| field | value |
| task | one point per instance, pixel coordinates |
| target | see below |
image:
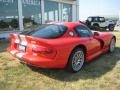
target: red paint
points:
(54, 53)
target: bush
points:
(28, 20)
(14, 23)
(4, 24)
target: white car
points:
(100, 22)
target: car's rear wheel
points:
(112, 45)
(76, 60)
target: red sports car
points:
(60, 45)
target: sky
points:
(98, 7)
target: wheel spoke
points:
(78, 60)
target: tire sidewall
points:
(96, 26)
(110, 45)
(69, 65)
(111, 27)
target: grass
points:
(101, 74)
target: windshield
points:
(48, 31)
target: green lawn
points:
(101, 74)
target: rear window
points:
(48, 31)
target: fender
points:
(102, 42)
(104, 38)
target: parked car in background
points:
(117, 26)
(96, 22)
(60, 45)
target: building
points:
(20, 14)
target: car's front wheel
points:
(76, 60)
(96, 26)
(112, 45)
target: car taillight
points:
(43, 52)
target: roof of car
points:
(63, 23)
(68, 24)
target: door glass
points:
(83, 31)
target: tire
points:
(111, 27)
(112, 45)
(76, 60)
(96, 26)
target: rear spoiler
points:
(24, 40)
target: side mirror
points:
(96, 34)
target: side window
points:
(95, 19)
(89, 19)
(49, 31)
(101, 19)
(83, 31)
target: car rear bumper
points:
(36, 61)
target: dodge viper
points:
(60, 45)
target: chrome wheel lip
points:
(112, 45)
(78, 60)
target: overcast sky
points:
(98, 7)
